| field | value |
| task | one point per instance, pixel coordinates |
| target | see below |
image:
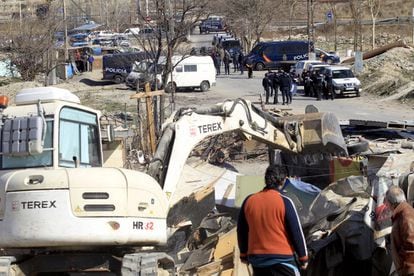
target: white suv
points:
(343, 81)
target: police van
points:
(278, 54)
(116, 67)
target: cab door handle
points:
(142, 206)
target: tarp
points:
(86, 27)
(6, 70)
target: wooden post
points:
(150, 118)
(150, 113)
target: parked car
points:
(121, 40)
(143, 72)
(217, 38)
(343, 81)
(103, 42)
(302, 66)
(212, 24)
(102, 34)
(328, 57)
(278, 54)
(231, 45)
(79, 40)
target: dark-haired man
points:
(269, 231)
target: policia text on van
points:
(278, 54)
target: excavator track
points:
(147, 264)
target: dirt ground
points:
(390, 75)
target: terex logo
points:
(209, 127)
(45, 204)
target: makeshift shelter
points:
(86, 28)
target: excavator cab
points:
(37, 132)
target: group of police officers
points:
(315, 85)
(273, 81)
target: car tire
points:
(259, 66)
(357, 147)
(204, 86)
(118, 79)
(329, 61)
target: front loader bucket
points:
(321, 132)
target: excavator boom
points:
(307, 133)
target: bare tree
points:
(171, 21)
(356, 12)
(248, 19)
(32, 40)
(374, 9)
(292, 8)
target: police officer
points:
(307, 86)
(270, 75)
(285, 82)
(316, 85)
(329, 86)
(275, 83)
(267, 85)
(241, 62)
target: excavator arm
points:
(307, 133)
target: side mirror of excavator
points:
(110, 132)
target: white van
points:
(192, 72)
(189, 72)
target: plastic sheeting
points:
(6, 70)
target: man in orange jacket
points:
(269, 231)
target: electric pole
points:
(66, 31)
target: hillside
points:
(390, 75)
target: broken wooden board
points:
(240, 268)
(227, 194)
(210, 268)
(192, 208)
(226, 244)
(198, 258)
(227, 272)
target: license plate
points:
(349, 88)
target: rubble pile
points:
(385, 74)
(345, 222)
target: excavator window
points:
(78, 139)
